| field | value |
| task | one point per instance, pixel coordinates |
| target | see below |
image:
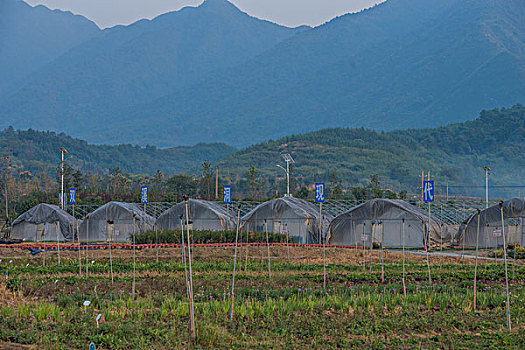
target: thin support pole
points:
(235, 263)
(307, 255)
(287, 243)
(404, 271)
(363, 238)
(134, 259)
(268, 249)
(382, 253)
(44, 243)
(192, 311)
(87, 247)
(78, 241)
(157, 240)
(184, 258)
(111, 260)
(371, 246)
(476, 265)
(247, 247)
(57, 228)
(428, 246)
(324, 242)
(505, 262)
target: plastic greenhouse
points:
(297, 217)
(382, 221)
(115, 222)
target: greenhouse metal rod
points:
(476, 265)
(192, 312)
(234, 263)
(505, 262)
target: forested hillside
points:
(454, 154)
(37, 152)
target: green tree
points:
(206, 183)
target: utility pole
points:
(62, 152)
(216, 183)
(487, 170)
(6, 160)
(288, 159)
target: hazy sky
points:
(107, 13)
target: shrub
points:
(174, 236)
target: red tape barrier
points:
(160, 245)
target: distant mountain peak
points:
(217, 4)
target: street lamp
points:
(62, 152)
(288, 159)
(487, 169)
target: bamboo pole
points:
(505, 262)
(192, 312)
(187, 282)
(134, 259)
(476, 265)
(324, 242)
(234, 263)
(404, 285)
(87, 246)
(57, 227)
(268, 249)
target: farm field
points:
(43, 307)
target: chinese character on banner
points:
(144, 194)
(319, 193)
(227, 195)
(428, 191)
(72, 196)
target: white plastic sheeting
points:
(288, 215)
(115, 221)
(490, 229)
(44, 222)
(381, 220)
(203, 215)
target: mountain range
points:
(216, 74)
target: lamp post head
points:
(63, 150)
(486, 168)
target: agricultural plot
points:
(60, 306)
